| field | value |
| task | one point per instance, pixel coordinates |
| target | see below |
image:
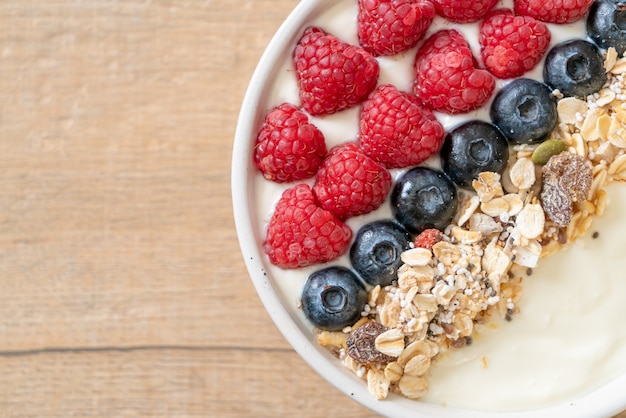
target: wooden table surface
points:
(123, 292)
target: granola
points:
(444, 293)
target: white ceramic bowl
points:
(608, 400)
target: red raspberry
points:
(288, 147)
(553, 11)
(396, 130)
(428, 238)
(512, 45)
(300, 233)
(463, 11)
(446, 78)
(350, 183)
(386, 27)
(332, 74)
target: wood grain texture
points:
(123, 289)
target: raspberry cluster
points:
(397, 129)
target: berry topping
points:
(472, 148)
(288, 147)
(350, 183)
(300, 233)
(606, 24)
(512, 45)
(446, 78)
(333, 298)
(525, 111)
(575, 68)
(463, 11)
(332, 75)
(387, 27)
(553, 11)
(423, 198)
(396, 130)
(428, 238)
(375, 253)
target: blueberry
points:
(423, 198)
(575, 68)
(333, 298)
(471, 148)
(606, 24)
(525, 111)
(375, 253)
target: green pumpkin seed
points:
(547, 149)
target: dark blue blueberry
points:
(471, 148)
(333, 298)
(375, 253)
(525, 111)
(606, 24)
(575, 68)
(423, 198)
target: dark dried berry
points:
(428, 238)
(572, 172)
(361, 344)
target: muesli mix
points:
(497, 237)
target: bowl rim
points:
(608, 399)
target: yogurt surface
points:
(566, 341)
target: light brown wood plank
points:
(115, 145)
(168, 383)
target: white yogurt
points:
(567, 339)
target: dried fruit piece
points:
(572, 172)
(556, 203)
(361, 345)
(547, 149)
(427, 238)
